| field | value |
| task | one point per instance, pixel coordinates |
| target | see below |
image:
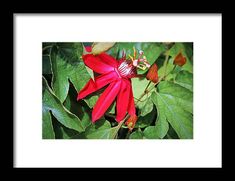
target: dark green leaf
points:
(52, 103)
(46, 64)
(47, 128)
(146, 120)
(136, 135)
(62, 132)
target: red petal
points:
(105, 100)
(108, 59)
(131, 106)
(100, 81)
(123, 100)
(96, 64)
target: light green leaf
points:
(162, 126)
(52, 103)
(138, 86)
(99, 47)
(146, 106)
(47, 128)
(171, 102)
(180, 95)
(136, 135)
(185, 79)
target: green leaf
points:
(171, 134)
(62, 132)
(180, 95)
(47, 127)
(151, 132)
(172, 101)
(112, 108)
(72, 52)
(100, 47)
(91, 100)
(101, 130)
(185, 79)
(138, 86)
(136, 135)
(158, 131)
(63, 71)
(79, 108)
(162, 126)
(146, 106)
(52, 103)
(46, 65)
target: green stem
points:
(165, 65)
(143, 94)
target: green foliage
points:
(164, 110)
(136, 135)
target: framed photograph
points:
(116, 90)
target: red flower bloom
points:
(115, 73)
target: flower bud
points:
(180, 60)
(152, 74)
(130, 123)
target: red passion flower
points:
(117, 75)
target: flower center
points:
(126, 69)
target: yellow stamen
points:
(131, 58)
(142, 67)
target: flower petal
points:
(105, 100)
(131, 105)
(108, 59)
(96, 64)
(123, 100)
(100, 81)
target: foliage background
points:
(165, 112)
